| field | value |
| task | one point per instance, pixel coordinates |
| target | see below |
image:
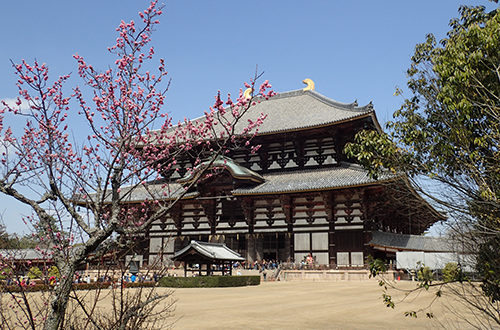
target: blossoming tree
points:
(122, 148)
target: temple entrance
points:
(236, 242)
(273, 246)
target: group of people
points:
(258, 264)
(129, 278)
(308, 262)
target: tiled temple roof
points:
(344, 175)
(296, 110)
(299, 110)
(410, 242)
(155, 190)
(25, 254)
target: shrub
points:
(25, 288)
(35, 273)
(425, 275)
(33, 286)
(451, 272)
(105, 285)
(148, 284)
(6, 272)
(54, 271)
(208, 281)
(92, 285)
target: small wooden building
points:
(24, 259)
(205, 255)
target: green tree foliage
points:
(449, 131)
(425, 276)
(53, 271)
(35, 273)
(451, 272)
(13, 241)
(488, 265)
(6, 272)
(449, 128)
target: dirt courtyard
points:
(307, 305)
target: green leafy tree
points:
(451, 272)
(53, 271)
(425, 276)
(5, 239)
(35, 273)
(448, 131)
(13, 241)
(6, 272)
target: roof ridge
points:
(341, 165)
(353, 106)
(208, 243)
(193, 243)
(282, 95)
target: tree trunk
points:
(57, 308)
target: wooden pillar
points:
(176, 214)
(287, 206)
(299, 144)
(209, 207)
(288, 247)
(251, 255)
(185, 269)
(328, 201)
(259, 247)
(247, 204)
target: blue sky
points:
(351, 49)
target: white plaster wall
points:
(301, 241)
(320, 241)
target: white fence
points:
(433, 260)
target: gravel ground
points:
(309, 305)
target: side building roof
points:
(150, 191)
(212, 251)
(236, 170)
(403, 242)
(25, 254)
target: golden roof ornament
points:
(309, 83)
(248, 93)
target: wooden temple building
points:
(298, 195)
(205, 255)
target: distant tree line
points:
(15, 241)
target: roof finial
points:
(309, 83)
(248, 93)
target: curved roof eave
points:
(312, 189)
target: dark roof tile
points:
(344, 175)
(405, 242)
(298, 110)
